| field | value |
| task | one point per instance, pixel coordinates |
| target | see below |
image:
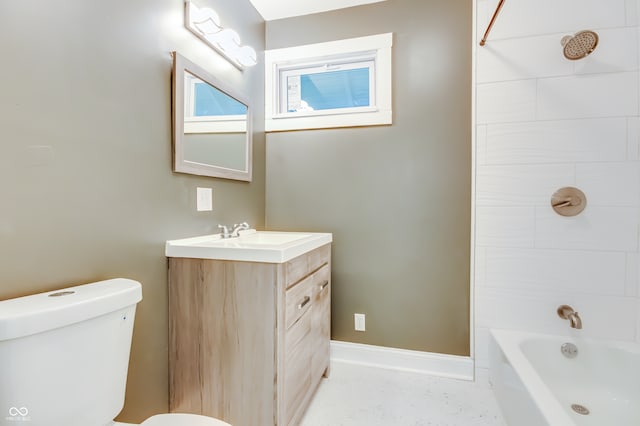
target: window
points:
(335, 84)
(327, 87)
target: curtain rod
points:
(493, 19)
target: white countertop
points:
(250, 246)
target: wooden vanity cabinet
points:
(249, 341)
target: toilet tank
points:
(64, 354)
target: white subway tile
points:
(521, 18)
(632, 282)
(631, 13)
(585, 96)
(484, 12)
(633, 138)
(505, 226)
(521, 185)
(506, 102)
(522, 58)
(634, 267)
(479, 272)
(608, 317)
(481, 144)
(598, 95)
(638, 322)
(483, 15)
(593, 272)
(481, 350)
(596, 139)
(610, 184)
(596, 228)
(617, 51)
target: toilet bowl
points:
(65, 356)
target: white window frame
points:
(279, 63)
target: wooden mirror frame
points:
(180, 164)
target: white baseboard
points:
(482, 376)
(452, 366)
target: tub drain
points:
(580, 409)
(569, 350)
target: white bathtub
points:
(536, 385)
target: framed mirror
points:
(211, 125)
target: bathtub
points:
(536, 385)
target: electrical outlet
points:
(359, 322)
(204, 199)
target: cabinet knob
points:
(324, 285)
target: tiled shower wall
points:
(544, 122)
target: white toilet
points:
(64, 357)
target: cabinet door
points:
(222, 339)
(297, 377)
(321, 327)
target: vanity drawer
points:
(300, 297)
(301, 266)
(319, 257)
(298, 300)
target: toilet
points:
(64, 356)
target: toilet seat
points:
(180, 419)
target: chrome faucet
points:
(567, 312)
(235, 230)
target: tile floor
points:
(356, 395)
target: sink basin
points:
(269, 238)
(250, 246)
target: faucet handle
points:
(224, 231)
(235, 232)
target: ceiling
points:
(277, 9)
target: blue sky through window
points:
(336, 89)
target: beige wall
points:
(397, 198)
(86, 188)
(87, 191)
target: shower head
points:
(579, 45)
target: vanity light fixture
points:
(204, 22)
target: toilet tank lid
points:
(33, 314)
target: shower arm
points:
(493, 19)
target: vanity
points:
(249, 325)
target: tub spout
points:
(575, 321)
(567, 312)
